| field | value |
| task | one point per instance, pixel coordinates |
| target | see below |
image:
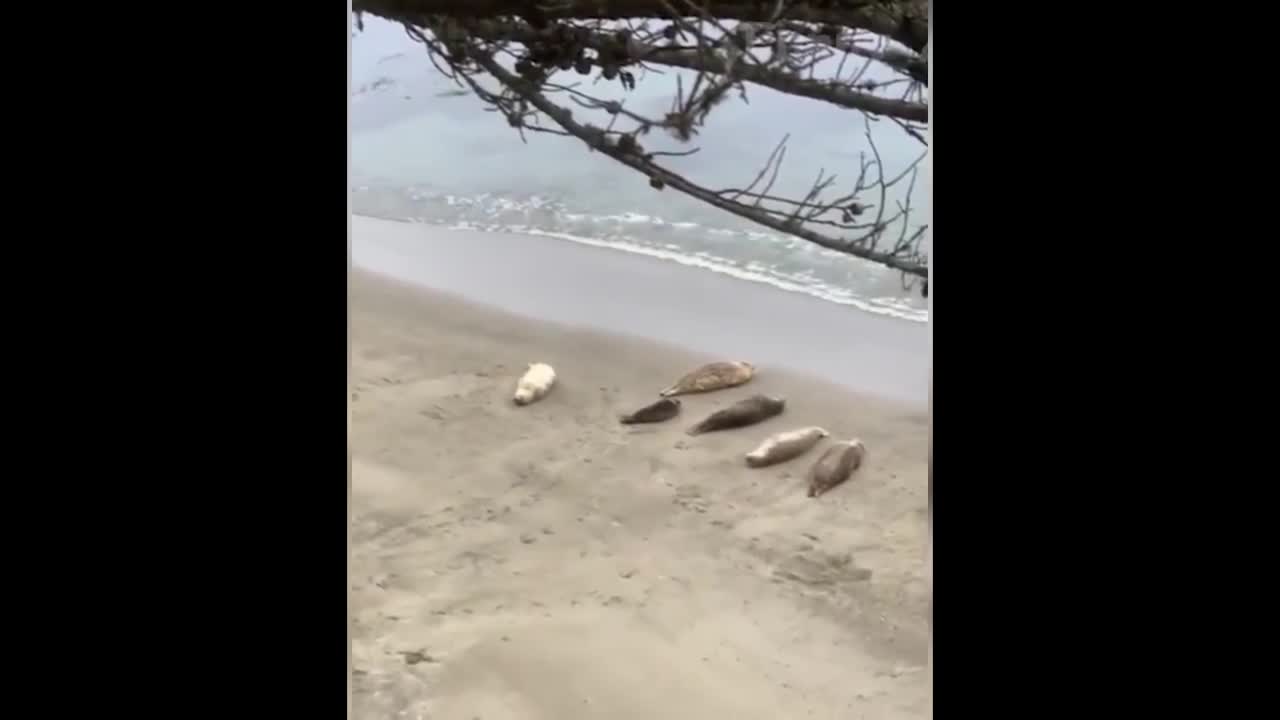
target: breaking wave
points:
(785, 262)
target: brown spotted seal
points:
(835, 466)
(660, 411)
(713, 376)
(783, 446)
(741, 414)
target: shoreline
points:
(883, 306)
(631, 295)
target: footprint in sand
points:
(821, 570)
(450, 386)
(690, 498)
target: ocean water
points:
(424, 153)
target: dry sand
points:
(549, 562)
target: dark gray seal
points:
(754, 409)
(660, 411)
(835, 466)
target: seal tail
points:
(626, 419)
(673, 390)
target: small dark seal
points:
(741, 414)
(835, 466)
(660, 411)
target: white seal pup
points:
(534, 385)
(783, 446)
(835, 466)
(712, 376)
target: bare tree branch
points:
(905, 21)
(715, 63)
(633, 156)
(517, 55)
(912, 64)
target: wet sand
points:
(644, 297)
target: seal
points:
(835, 466)
(713, 376)
(741, 414)
(534, 385)
(660, 411)
(783, 446)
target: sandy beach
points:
(548, 562)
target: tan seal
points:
(835, 466)
(784, 446)
(660, 411)
(754, 409)
(713, 376)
